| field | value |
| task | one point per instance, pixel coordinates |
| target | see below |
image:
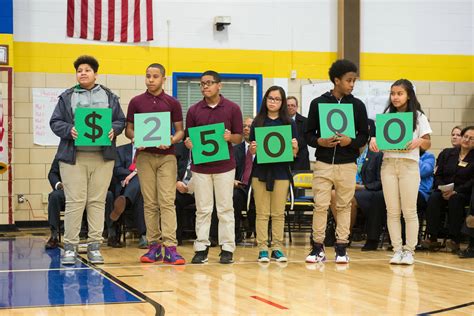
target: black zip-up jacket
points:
(338, 154)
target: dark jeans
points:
(56, 205)
(372, 204)
(185, 216)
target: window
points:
(243, 90)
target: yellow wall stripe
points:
(132, 60)
(377, 66)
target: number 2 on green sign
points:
(149, 136)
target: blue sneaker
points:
(153, 255)
(263, 256)
(279, 256)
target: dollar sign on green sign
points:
(96, 129)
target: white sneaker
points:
(316, 255)
(397, 257)
(407, 258)
(70, 254)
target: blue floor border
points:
(32, 277)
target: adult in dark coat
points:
(369, 198)
(302, 158)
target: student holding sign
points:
(86, 169)
(271, 170)
(148, 124)
(338, 136)
(213, 125)
(400, 170)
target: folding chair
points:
(298, 202)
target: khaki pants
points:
(270, 204)
(85, 187)
(206, 187)
(342, 177)
(157, 176)
(400, 182)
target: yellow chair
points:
(299, 207)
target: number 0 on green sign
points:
(93, 126)
(394, 130)
(152, 129)
(336, 118)
(274, 144)
(208, 143)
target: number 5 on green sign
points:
(394, 130)
(152, 129)
(93, 126)
(274, 144)
(208, 143)
(336, 118)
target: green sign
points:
(274, 144)
(208, 143)
(93, 126)
(152, 129)
(394, 130)
(336, 118)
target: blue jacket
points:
(62, 121)
(427, 164)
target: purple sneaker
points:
(172, 256)
(153, 255)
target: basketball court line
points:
(444, 266)
(159, 309)
(447, 309)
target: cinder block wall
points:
(446, 104)
(31, 163)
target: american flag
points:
(110, 20)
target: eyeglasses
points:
(207, 83)
(247, 126)
(467, 138)
(273, 100)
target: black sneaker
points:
(341, 254)
(466, 253)
(200, 256)
(226, 257)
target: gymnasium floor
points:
(33, 282)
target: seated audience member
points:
(184, 192)
(243, 170)
(369, 197)
(455, 142)
(128, 195)
(469, 229)
(56, 204)
(454, 173)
